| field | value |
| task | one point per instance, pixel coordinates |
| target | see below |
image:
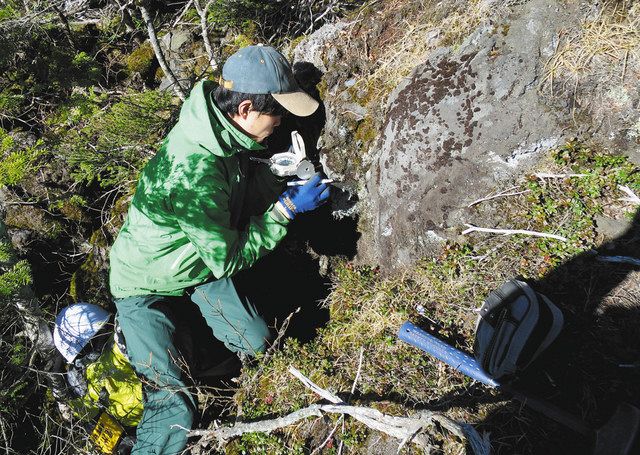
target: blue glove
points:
(304, 198)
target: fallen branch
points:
(406, 429)
(543, 175)
(504, 193)
(473, 228)
(633, 198)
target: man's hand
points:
(307, 197)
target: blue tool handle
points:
(453, 357)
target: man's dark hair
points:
(228, 102)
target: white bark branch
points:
(153, 38)
(543, 175)
(633, 198)
(406, 429)
(202, 12)
(473, 228)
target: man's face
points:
(260, 126)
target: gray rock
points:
(464, 121)
(176, 46)
(312, 49)
(611, 228)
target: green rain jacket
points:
(201, 210)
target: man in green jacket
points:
(203, 211)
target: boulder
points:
(465, 120)
(470, 117)
(178, 49)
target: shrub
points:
(276, 19)
(112, 145)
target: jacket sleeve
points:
(202, 209)
(264, 188)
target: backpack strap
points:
(502, 296)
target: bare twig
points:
(473, 228)
(308, 383)
(202, 12)
(182, 13)
(544, 175)
(159, 54)
(633, 198)
(355, 381)
(504, 193)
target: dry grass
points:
(422, 30)
(606, 47)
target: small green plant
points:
(17, 162)
(13, 279)
(250, 443)
(7, 13)
(79, 108)
(85, 69)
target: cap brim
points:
(298, 103)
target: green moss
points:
(141, 60)
(34, 219)
(322, 88)
(366, 132)
(239, 41)
(72, 208)
(88, 282)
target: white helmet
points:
(75, 326)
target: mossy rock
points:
(141, 60)
(33, 219)
(72, 208)
(90, 281)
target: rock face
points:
(470, 117)
(465, 120)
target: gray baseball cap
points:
(262, 69)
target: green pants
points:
(169, 408)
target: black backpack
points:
(515, 325)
